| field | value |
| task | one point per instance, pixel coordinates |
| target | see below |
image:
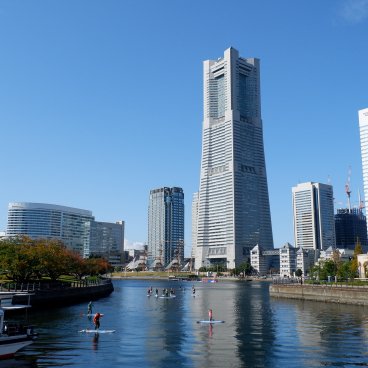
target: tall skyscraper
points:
(195, 203)
(234, 212)
(166, 225)
(313, 208)
(363, 129)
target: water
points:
(259, 331)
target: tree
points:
(298, 272)
(354, 262)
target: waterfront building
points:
(313, 209)
(343, 254)
(350, 227)
(305, 259)
(287, 260)
(363, 129)
(265, 261)
(166, 226)
(105, 239)
(195, 202)
(49, 221)
(76, 228)
(233, 211)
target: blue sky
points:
(101, 101)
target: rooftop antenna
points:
(347, 189)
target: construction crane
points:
(347, 189)
(361, 202)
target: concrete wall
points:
(323, 293)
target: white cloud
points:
(133, 245)
(354, 11)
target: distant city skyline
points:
(99, 103)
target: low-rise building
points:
(287, 260)
(305, 259)
(264, 261)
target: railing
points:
(322, 283)
(33, 286)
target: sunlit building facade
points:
(233, 210)
(166, 225)
(313, 209)
(363, 129)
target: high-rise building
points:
(76, 228)
(234, 212)
(166, 225)
(363, 129)
(350, 227)
(105, 239)
(313, 208)
(194, 224)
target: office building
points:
(363, 129)
(105, 239)
(166, 226)
(76, 228)
(233, 211)
(195, 202)
(313, 208)
(350, 227)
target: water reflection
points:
(152, 332)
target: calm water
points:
(259, 331)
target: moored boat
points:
(13, 336)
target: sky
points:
(102, 101)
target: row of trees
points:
(244, 269)
(343, 270)
(24, 259)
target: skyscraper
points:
(166, 225)
(350, 227)
(234, 212)
(194, 224)
(313, 208)
(363, 129)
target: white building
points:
(305, 260)
(287, 260)
(76, 228)
(195, 202)
(234, 211)
(265, 261)
(313, 208)
(363, 129)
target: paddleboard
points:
(91, 315)
(167, 297)
(210, 322)
(97, 331)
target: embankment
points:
(331, 293)
(62, 296)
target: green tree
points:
(298, 272)
(354, 262)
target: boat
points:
(13, 336)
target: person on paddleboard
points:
(89, 310)
(96, 320)
(210, 316)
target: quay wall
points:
(323, 293)
(65, 296)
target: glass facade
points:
(166, 225)
(75, 227)
(314, 226)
